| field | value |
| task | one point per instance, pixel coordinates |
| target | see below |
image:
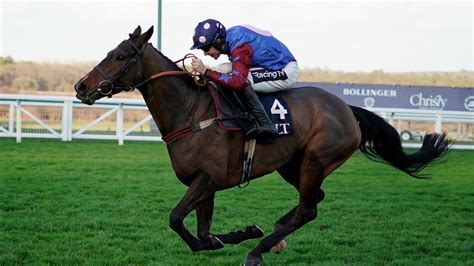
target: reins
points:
(198, 79)
(161, 74)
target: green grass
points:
(89, 202)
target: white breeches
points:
(263, 80)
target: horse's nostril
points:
(79, 87)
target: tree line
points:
(59, 78)
(31, 77)
(6, 60)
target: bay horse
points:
(326, 133)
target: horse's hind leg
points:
(291, 174)
(204, 217)
(312, 174)
(286, 218)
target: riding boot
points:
(264, 127)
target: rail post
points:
(120, 124)
(69, 119)
(18, 121)
(64, 122)
(11, 119)
(438, 123)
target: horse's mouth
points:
(89, 99)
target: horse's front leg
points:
(202, 188)
(204, 213)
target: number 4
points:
(278, 109)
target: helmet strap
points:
(219, 44)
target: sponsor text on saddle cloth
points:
(229, 109)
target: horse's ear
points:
(146, 36)
(136, 33)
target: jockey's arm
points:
(237, 78)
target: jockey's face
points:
(213, 52)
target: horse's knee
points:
(176, 222)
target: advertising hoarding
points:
(401, 96)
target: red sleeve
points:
(237, 79)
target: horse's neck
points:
(170, 99)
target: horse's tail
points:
(380, 141)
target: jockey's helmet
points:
(209, 32)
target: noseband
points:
(124, 70)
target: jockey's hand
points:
(198, 65)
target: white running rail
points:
(66, 118)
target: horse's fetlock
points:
(175, 221)
(311, 214)
(266, 245)
(202, 235)
(195, 248)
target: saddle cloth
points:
(234, 116)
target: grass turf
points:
(90, 202)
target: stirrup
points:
(267, 131)
(259, 131)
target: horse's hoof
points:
(279, 247)
(211, 242)
(252, 261)
(254, 231)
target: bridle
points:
(200, 81)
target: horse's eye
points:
(120, 57)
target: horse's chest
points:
(214, 163)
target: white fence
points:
(66, 118)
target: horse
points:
(327, 132)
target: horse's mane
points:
(172, 66)
(187, 102)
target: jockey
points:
(259, 62)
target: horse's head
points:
(117, 72)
